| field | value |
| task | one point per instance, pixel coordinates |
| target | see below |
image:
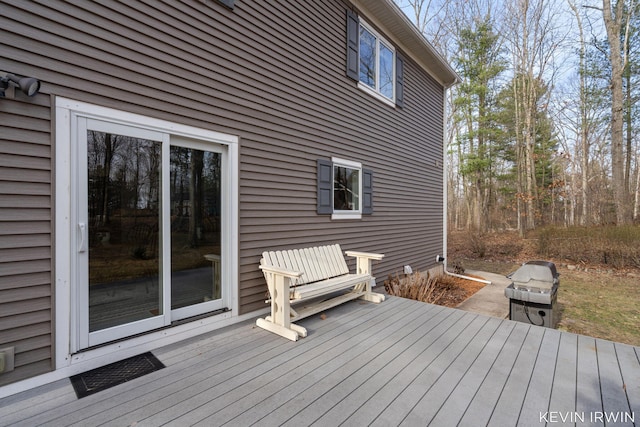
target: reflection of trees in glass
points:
(346, 188)
(123, 173)
(386, 71)
(195, 192)
(367, 58)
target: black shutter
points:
(399, 81)
(325, 187)
(353, 36)
(367, 192)
(227, 3)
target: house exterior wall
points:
(26, 223)
(272, 73)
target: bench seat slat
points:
(311, 290)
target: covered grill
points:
(533, 294)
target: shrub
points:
(616, 246)
(478, 244)
(416, 286)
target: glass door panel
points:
(195, 229)
(149, 235)
(124, 201)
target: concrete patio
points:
(401, 362)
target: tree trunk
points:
(629, 136)
(613, 25)
(583, 124)
(196, 197)
(636, 205)
(106, 178)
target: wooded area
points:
(544, 127)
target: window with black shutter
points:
(344, 189)
(373, 62)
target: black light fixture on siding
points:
(28, 85)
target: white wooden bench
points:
(303, 274)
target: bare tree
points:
(616, 18)
(583, 128)
(430, 17)
(533, 38)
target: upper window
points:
(377, 63)
(373, 62)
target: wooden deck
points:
(397, 363)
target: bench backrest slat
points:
(321, 263)
(337, 257)
(311, 265)
(317, 263)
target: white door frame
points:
(83, 338)
(66, 158)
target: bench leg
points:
(373, 297)
(279, 322)
(278, 329)
(363, 266)
(300, 330)
(369, 295)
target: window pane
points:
(346, 189)
(195, 226)
(386, 71)
(124, 229)
(367, 58)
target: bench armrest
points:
(357, 254)
(281, 271)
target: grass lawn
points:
(598, 304)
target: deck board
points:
(427, 371)
(481, 406)
(455, 403)
(509, 404)
(439, 392)
(362, 360)
(173, 404)
(588, 398)
(362, 406)
(399, 362)
(614, 399)
(389, 392)
(538, 394)
(563, 391)
(628, 359)
(316, 363)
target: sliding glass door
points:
(148, 238)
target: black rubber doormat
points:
(102, 378)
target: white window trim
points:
(342, 214)
(65, 362)
(371, 91)
(376, 94)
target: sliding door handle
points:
(82, 228)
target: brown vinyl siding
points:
(272, 73)
(26, 234)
